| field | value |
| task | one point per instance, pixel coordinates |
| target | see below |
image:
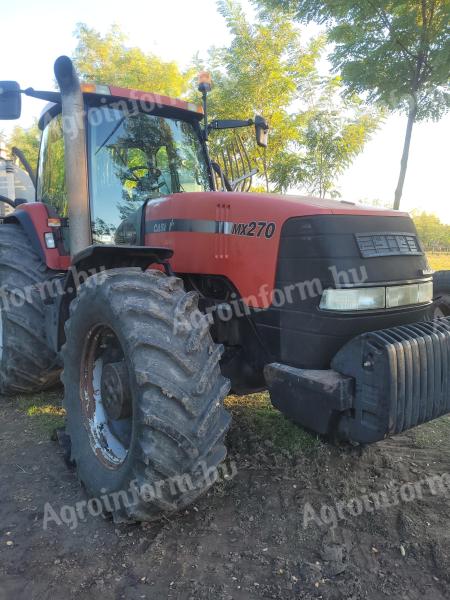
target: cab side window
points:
(52, 174)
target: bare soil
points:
(245, 539)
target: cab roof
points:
(148, 101)
(141, 96)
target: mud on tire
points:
(27, 364)
(176, 424)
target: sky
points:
(176, 30)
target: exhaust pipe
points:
(75, 154)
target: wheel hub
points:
(105, 396)
(115, 390)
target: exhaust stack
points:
(75, 154)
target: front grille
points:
(388, 244)
(323, 248)
(402, 378)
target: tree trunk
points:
(404, 162)
(266, 175)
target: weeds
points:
(44, 409)
(256, 413)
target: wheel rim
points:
(105, 397)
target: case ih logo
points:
(387, 244)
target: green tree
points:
(260, 73)
(27, 140)
(108, 60)
(332, 144)
(265, 70)
(395, 51)
(434, 234)
(336, 132)
(268, 70)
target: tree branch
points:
(385, 19)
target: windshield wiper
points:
(119, 123)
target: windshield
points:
(139, 157)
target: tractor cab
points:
(140, 147)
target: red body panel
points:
(249, 262)
(38, 214)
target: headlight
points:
(377, 297)
(354, 299)
(426, 292)
(403, 295)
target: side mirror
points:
(10, 100)
(262, 131)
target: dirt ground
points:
(247, 538)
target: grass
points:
(253, 413)
(433, 434)
(256, 413)
(439, 262)
(44, 410)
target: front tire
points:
(441, 292)
(143, 393)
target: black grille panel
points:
(402, 378)
(388, 244)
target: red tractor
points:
(155, 293)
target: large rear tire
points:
(143, 394)
(441, 292)
(27, 364)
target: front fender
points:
(94, 259)
(33, 217)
